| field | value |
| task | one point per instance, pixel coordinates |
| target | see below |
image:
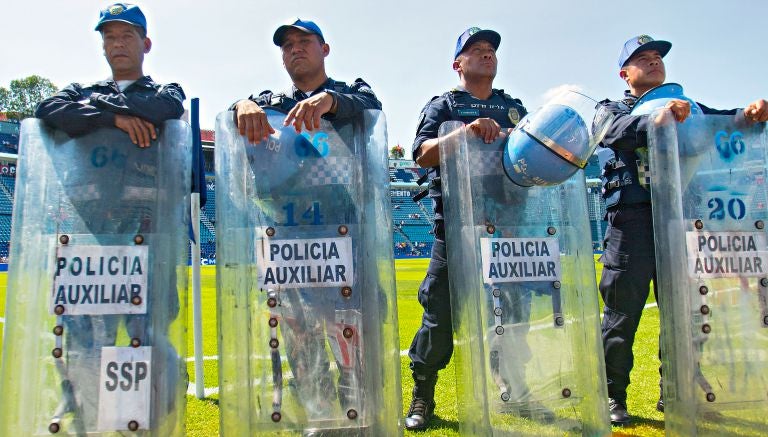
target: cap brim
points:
(484, 35)
(277, 38)
(100, 25)
(662, 47)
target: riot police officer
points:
(132, 102)
(628, 258)
(487, 113)
(312, 318)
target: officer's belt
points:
(618, 183)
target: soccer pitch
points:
(203, 415)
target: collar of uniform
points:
(461, 89)
(628, 95)
(144, 80)
(300, 95)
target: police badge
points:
(642, 39)
(514, 116)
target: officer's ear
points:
(623, 74)
(326, 49)
(147, 45)
(456, 65)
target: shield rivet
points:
(346, 291)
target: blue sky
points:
(222, 51)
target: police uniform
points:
(78, 109)
(350, 100)
(432, 345)
(314, 318)
(628, 258)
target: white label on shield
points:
(125, 385)
(322, 262)
(726, 254)
(93, 280)
(520, 259)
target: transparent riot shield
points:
(95, 334)
(307, 311)
(708, 185)
(526, 320)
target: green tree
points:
(19, 100)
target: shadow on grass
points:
(210, 401)
(640, 426)
(438, 423)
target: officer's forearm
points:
(429, 153)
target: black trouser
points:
(432, 345)
(629, 264)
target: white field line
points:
(2, 320)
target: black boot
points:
(660, 403)
(423, 403)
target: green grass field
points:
(203, 415)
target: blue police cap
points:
(302, 25)
(640, 43)
(476, 34)
(125, 12)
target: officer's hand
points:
(757, 111)
(252, 121)
(141, 131)
(681, 109)
(309, 111)
(485, 128)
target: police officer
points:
(486, 112)
(628, 259)
(313, 95)
(311, 317)
(128, 100)
(132, 102)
